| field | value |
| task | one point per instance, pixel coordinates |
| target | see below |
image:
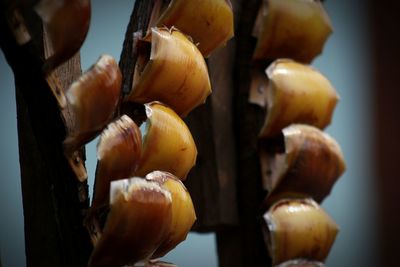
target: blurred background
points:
(360, 61)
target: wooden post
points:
(53, 199)
(248, 121)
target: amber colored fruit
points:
(170, 70)
(298, 229)
(208, 22)
(308, 163)
(93, 99)
(168, 144)
(118, 155)
(296, 29)
(67, 23)
(297, 93)
(139, 220)
(183, 213)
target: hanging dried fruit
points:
(298, 229)
(294, 29)
(163, 142)
(138, 222)
(304, 162)
(183, 213)
(168, 144)
(297, 93)
(67, 23)
(208, 22)
(93, 99)
(172, 70)
(118, 154)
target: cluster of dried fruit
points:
(300, 163)
(140, 168)
(138, 183)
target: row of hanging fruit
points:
(300, 163)
(141, 209)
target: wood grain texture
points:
(137, 28)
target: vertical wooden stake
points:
(53, 199)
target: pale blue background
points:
(345, 62)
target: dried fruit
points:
(297, 93)
(172, 71)
(67, 22)
(294, 29)
(163, 142)
(298, 229)
(208, 22)
(118, 154)
(139, 220)
(168, 144)
(307, 162)
(183, 213)
(93, 99)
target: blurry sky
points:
(345, 62)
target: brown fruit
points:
(67, 22)
(296, 29)
(118, 154)
(93, 99)
(139, 220)
(307, 162)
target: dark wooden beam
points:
(53, 199)
(137, 28)
(248, 121)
